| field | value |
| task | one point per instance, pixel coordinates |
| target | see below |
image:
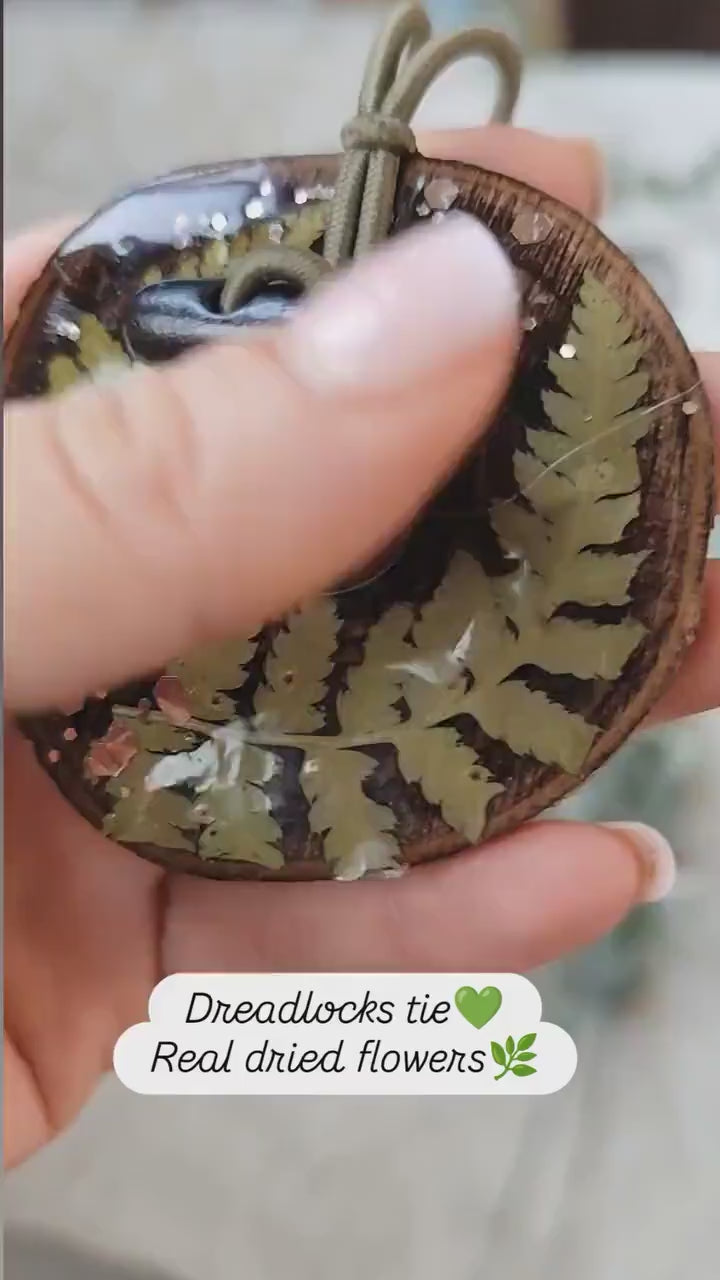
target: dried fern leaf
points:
(523, 535)
(303, 229)
(214, 260)
(220, 760)
(523, 598)
(602, 382)
(548, 490)
(621, 361)
(296, 670)
(357, 832)
(586, 650)
(203, 767)
(570, 413)
(207, 671)
(95, 350)
(580, 480)
(300, 230)
(187, 267)
(450, 776)
(154, 735)
(551, 491)
(592, 579)
(253, 236)
(597, 309)
(239, 831)
(595, 411)
(614, 445)
(143, 816)
(237, 817)
(374, 685)
(607, 477)
(62, 373)
(488, 640)
(625, 394)
(588, 404)
(532, 725)
(462, 591)
(554, 447)
(459, 621)
(95, 346)
(595, 524)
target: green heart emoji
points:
(478, 1006)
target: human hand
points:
(297, 455)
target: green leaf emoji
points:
(498, 1053)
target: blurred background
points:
(617, 1176)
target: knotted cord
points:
(404, 63)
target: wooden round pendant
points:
(499, 654)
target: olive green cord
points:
(299, 268)
(403, 64)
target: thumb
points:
(179, 505)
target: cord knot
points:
(405, 61)
(373, 131)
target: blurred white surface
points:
(616, 1176)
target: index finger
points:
(122, 492)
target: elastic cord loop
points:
(404, 63)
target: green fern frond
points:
(157, 735)
(357, 832)
(463, 653)
(565, 646)
(450, 776)
(238, 825)
(375, 684)
(143, 816)
(296, 670)
(531, 724)
(459, 625)
(209, 670)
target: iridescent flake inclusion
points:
(531, 226)
(441, 194)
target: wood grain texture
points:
(667, 537)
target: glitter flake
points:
(254, 209)
(441, 194)
(531, 227)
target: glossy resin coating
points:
(502, 651)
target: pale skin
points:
(111, 497)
